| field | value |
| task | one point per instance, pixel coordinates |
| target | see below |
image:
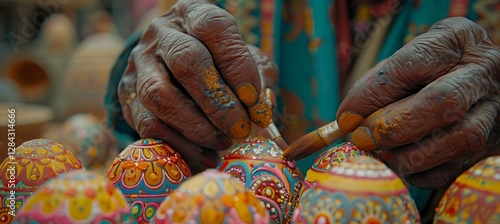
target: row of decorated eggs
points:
(342, 186)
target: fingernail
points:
(348, 121)
(247, 93)
(240, 129)
(363, 139)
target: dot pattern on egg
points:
(360, 190)
(75, 197)
(147, 171)
(36, 162)
(212, 197)
(474, 196)
(276, 181)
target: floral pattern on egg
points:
(34, 163)
(275, 180)
(474, 197)
(212, 197)
(332, 157)
(361, 190)
(147, 171)
(76, 197)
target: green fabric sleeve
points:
(123, 133)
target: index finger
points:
(420, 62)
(218, 31)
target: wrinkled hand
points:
(432, 107)
(189, 80)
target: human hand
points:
(432, 107)
(190, 79)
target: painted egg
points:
(147, 171)
(361, 190)
(28, 168)
(211, 197)
(332, 157)
(474, 197)
(275, 180)
(88, 138)
(76, 197)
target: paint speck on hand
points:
(216, 90)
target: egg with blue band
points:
(274, 179)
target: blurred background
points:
(55, 60)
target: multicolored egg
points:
(212, 197)
(76, 197)
(474, 197)
(332, 157)
(147, 171)
(28, 168)
(275, 180)
(361, 190)
(87, 137)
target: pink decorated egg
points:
(474, 197)
(211, 197)
(275, 180)
(360, 190)
(147, 171)
(76, 197)
(332, 157)
(28, 168)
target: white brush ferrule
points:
(329, 133)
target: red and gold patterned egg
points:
(147, 171)
(275, 180)
(332, 157)
(211, 197)
(474, 197)
(361, 190)
(76, 197)
(28, 168)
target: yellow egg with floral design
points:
(76, 197)
(360, 190)
(211, 197)
(474, 197)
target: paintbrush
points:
(261, 114)
(314, 141)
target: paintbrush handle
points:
(330, 133)
(261, 114)
(273, 132)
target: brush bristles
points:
(305, 146)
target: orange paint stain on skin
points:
(261, 113)
(218, 92)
